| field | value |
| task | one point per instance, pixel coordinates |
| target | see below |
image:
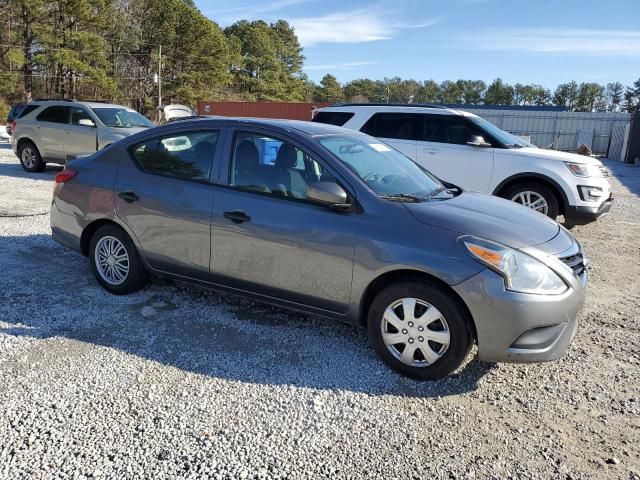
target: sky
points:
(546, 42)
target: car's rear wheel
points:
(30, 158)
(115, 261)
(535, 196)
(419, 330)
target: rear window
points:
(27, 110)
(15, 111)
(403, 126)
(332, 118)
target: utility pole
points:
(160, 77)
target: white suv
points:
(58, 130)
(468, 151)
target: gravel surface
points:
(175, 381)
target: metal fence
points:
(564, 131)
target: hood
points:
(554, 155)
(487, 217)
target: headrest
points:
(287, 156)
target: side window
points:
(27, 110)
(78, 114)
(269, 165)
(402, 126)
(56, 114)
(332, 118)
(185, 155)
(449, 129)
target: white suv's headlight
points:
(582, 170)
(521, 272)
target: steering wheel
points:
(370, 176)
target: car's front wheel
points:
(115, 261)
(419, 330)
(30, 158)
(535, 196)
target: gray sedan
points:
(331, 221)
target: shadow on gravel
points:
(196, 330)
(16, 170)
(628, 175)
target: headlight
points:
(521, 272)
(582, 170)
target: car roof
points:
(301, 126)
(67, 103)
(392, 108)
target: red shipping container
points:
(290, 111)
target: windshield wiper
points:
(404, 197)
(437, 191)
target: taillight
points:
(61, 178)
(65, 176)
(12, 125)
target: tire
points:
(110, 239)
(30, 158)
(527, 191)
(431, 360)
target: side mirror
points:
(329, 193)
(478, 141)
(86, 122)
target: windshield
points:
(385, 170)
(503, 137)
(121, 117)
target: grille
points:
(576, 262)
(605, 171)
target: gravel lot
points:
(176, 381)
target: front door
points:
(268, 238)
(81, 139)
(444, 152)
(163, 194)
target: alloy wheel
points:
(112, 260)
(533, 200)
(28, 157)
(415, 332)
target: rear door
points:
(164, 195)
(443, 150)
(400, 130)
(51, 128)
(81, 139)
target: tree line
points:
(583, 97)
(115, 50)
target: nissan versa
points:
(332, 221)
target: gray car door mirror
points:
(478, 141)
(86, 122)
(328, 193)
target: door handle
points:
(431, 151)
(128, 196)
(237, 216)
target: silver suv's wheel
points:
(30, 157)
(420, 329)
(532, 200)
(115, 261)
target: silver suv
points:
(331, 221)
(54, 131)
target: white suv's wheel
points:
(535, 196)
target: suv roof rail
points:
(52, 100)
(416, 105)
(94, 101)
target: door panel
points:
(267, 238)
(52, 125)
(81, 139)
(443, 151)
(288, 249)
(169, 213)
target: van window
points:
(403, 126)
(27, 110)
(332, 118)
(450, 129)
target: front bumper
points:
(582, 215)
(518, 327)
